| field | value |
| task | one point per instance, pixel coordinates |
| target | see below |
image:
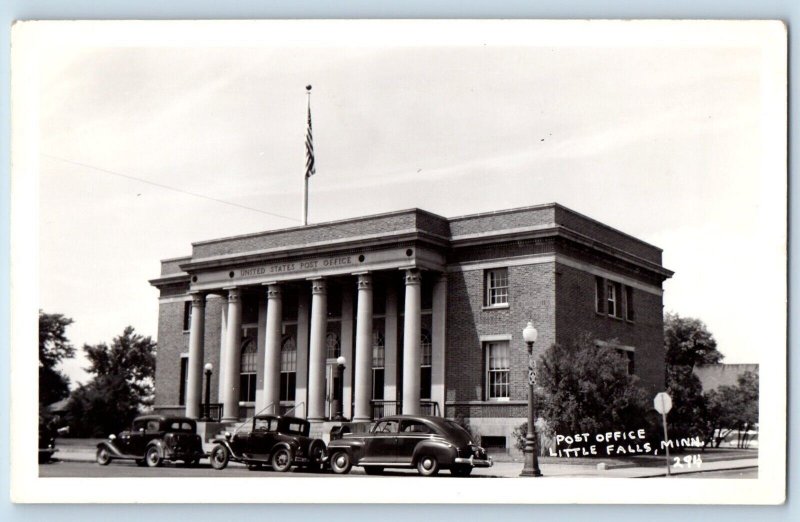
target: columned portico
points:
(363, 380)
(233, 336)
(316, 356)
(272, 351)
(195, 371)
(412, 330)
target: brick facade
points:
(554, 259)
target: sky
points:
(669, 142)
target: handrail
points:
(248, 419)
(290, 410)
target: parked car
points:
(152, 440)
(405, 441)
(277, 441)
(48, 431)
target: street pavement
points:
(76, 459)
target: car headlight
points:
(112, 437)
(227, 434)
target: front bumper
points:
(48, 450)
(475, 463)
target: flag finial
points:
(308, 87)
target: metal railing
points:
(381, 408)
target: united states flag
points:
(310, 170)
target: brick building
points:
(426, 311)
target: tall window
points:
(187, 315)
(184, 381)
(497, 370)
(378, 364)
(600, 294)
(629, 313)
(425, 366)
(611, 298)
(247, 371)
(288, 369)
(497, 287)
(630, 356)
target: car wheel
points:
(341, 463)
(373, 470)
(315, 457)
(427, 466)
(219, 457)
(281, 460)
(461, 471)
(153, 457)
(103, 456)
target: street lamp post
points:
(531, 469)
(340, 389)
(207, 411)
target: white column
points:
(194, 388)
(303, 317)
(272, 351)
(390, 333)
(438, 341)
(223, 338)
(346, 342)
(233, 345)
(412, 330)
(316, 356)
(363, 362)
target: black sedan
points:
(277, 441)
(404, 441)
(152, 440)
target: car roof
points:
(162, 418)
(439, 421)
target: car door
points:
(381, 444)
(411, 433)
(262, 438)
(135, 443)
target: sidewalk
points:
(83, 450)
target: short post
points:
(209, 368)
(531, 468)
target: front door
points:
(381, 445)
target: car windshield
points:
(294, 428)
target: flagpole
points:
(307, 173)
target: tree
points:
(734, 408)
(54, 347)
(688, 342)
(588, 389)
(121, 386)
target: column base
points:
(316, 419)
(530, 473)
(230, 419)
(362, 419)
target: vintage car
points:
(404, 441)
(48, 431)
(152, 440)
(277, 441)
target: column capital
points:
(412, 277)
(198, 299)
(273, 291)
(364, 281)
(318, 286)
(233, 294)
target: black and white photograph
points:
(474, 261)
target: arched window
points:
(288, 369)
(247, 370)
(378, 361)
(425, 365)
(333, 346)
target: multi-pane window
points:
(333, 347)
(629, 314)
(378, 364)
(288, 369)
(184, 384)
(497, 370)
(425, 366)
(247, 371)
(611, 298)
(600, 294)
(497, 287)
